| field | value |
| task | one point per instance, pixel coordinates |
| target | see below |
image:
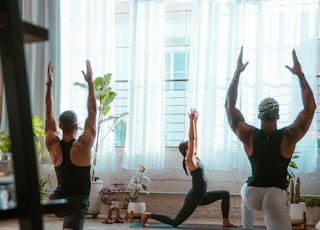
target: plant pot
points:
(137, 207)
(134, 210)
(297, 212)
(6, 164)
(94, 198)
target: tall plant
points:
(105, 95)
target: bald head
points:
(67, 121)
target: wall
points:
(173, 179)
(171, 184)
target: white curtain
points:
(145, 131)
(88, 32)
(268, 31)
(41, 13)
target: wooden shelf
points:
(50, 206)
(31, 33)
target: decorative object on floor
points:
(298, 214)
(137, 224)
(94, 199)
(136, 186)
(108, 196)
(134, 210)
(114, 206)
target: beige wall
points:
(168, 187)
(173, 180)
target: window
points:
(193, 47)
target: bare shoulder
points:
(245, 131)
(289, 141)
(51, 139)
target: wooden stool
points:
(130, 216)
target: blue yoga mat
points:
(137, 224)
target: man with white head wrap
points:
(269, 150)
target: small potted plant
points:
(298, 208)
(136, 185)
(109, 196)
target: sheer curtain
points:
(144, 138)
(88, 32)
(43, 14)
(268, 31)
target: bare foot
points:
(144, 218)
(227, 223)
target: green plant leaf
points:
(144, 187)
(82, 85)
(147, 178)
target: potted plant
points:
(5, 145)
(298, 209)
(6, 164)
(44, 190)
(136, 186)
(110, 197)
(105, 95)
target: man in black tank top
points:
(269, 150)
(71, 158)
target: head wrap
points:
(268, 109)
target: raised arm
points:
(234, 116)
(301, 124)
(193, 141)
(89, 133)
(50, 126)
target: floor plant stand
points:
(134, 211)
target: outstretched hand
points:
(296, 69)
(88, 75)
(50, 72)
(240, 66)
(193, 114)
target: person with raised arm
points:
(198, 194)
(71, 157)
(269, 150)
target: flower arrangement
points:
(109, 194)
(136, 184)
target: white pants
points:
(272, 201)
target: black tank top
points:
(72, 180)
(199, 179)
(269, 168)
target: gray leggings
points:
(191, 202)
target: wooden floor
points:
(52, 223)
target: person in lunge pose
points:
(197, 195)
(71, 158)
(269, 150)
